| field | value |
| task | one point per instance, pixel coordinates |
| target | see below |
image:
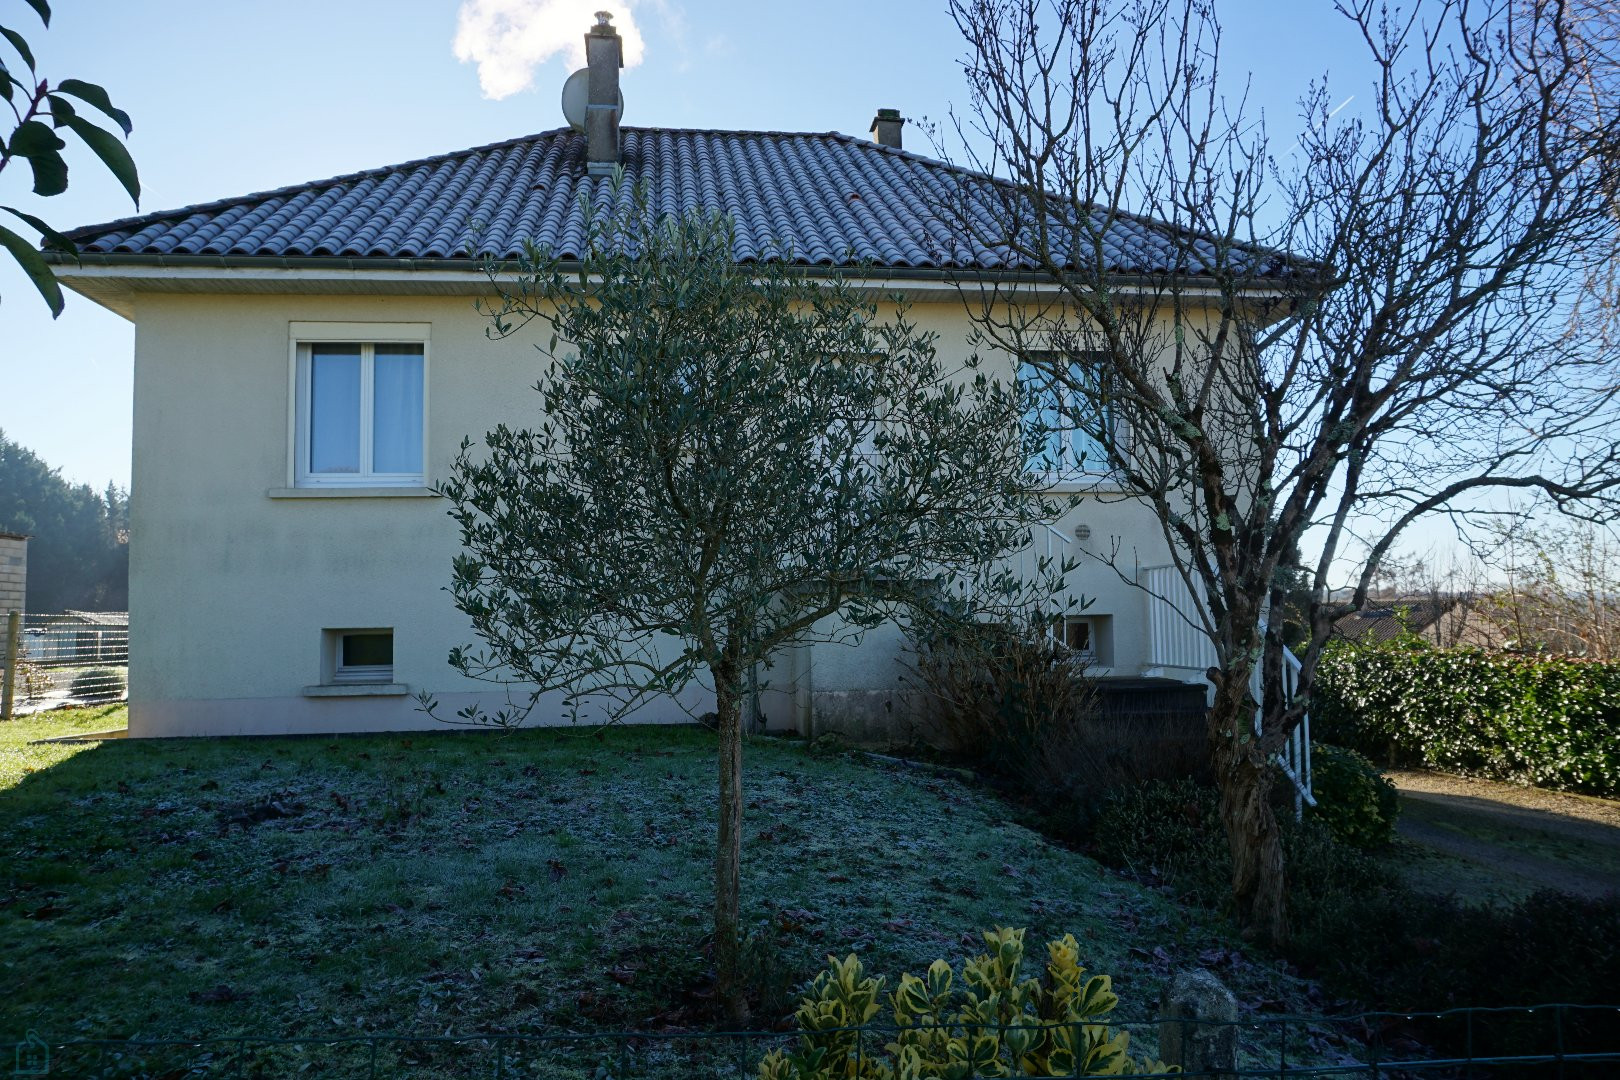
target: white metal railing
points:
(1175, 637)
(1294, 759)
(1052, 554)
(1176, 640)
(1023, 573)
(79, 658)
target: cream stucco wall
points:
(231, 588)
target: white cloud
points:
(508, 39)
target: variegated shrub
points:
(992, 1021)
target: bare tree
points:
(1317, 344)
(1594, 42)
(1560, 591)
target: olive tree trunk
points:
(728, 848)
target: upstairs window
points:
(1075, 423)
(360, 414)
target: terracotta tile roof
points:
(832, 199)
(1385, 620)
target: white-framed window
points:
(1075, 634)
(1075, 424)
(361, 405)
(860, 428)
(360, 656)
(1089, 637)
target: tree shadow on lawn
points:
(1486, 851)
(472, 882)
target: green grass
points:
(18, 759)
(468, 882)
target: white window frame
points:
(1072, 468)
(301, 335)
(1099, 650)
(339, 674)
(1060, 634)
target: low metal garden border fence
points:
(1572, 1041)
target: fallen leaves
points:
(219, 995)
(248, 815)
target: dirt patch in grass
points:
(472, 882)
(1488, 842)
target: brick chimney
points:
(886, 127)
(604, 56)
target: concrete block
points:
(1196, 1029)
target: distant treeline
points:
(78, 551)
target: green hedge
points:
(1549, 721)
(1353, 799)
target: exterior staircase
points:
(1178, 648)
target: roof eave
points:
(358, 268)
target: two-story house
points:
(308, 360)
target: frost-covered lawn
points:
(469, 882)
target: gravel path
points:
(1522, 836)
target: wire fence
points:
(1563, 1041)
(78, 658)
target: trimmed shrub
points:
(1396, 949)
(98, 684)
(1353, 799)
(1552, 721)
(1173, 832)
(994, 1019)
(1170, 830)
(1021, 707)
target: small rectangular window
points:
(1088, 637)
(362, 656)
(360, 414)
(1077, 635)
(1073, 633)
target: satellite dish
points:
(576, 94)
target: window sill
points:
(392, 689)
(352, 493)
(1081, 485)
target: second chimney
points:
(886, 127)
(604, 56)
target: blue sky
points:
(230, 97)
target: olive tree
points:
(1331, 339)
(725, 460)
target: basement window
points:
(1074, 634)
(361, 656)
(1089, 637)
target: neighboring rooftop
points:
(1387, 619)
(836, 201)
